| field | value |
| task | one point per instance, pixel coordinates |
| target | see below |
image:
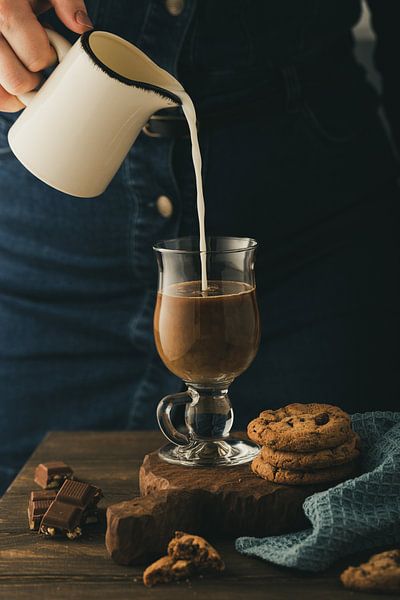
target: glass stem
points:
(209, 417)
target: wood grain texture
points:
(238, 502)
(35, 568)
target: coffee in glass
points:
(207, 338)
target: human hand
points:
(24, 46)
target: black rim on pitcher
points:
(85, 42)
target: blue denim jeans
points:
(311, 176)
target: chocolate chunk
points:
(79, 494)
(62, 518)
(322, 419)
(84, 495)
(39, 502)
(42, 495)
(74, 506)
(51, 475)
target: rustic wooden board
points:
(34, 568)
(224, 502)
(238, 502)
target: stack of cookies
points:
(304, 444)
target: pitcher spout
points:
(123, 61)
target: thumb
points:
(73, 14)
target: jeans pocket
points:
(332, 128)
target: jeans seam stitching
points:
(133, 218)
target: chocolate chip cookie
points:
(320, 459)
(291, 477)
(185, 546)
(165, 570)
(380, 574)
(301, 427)
(187, 555)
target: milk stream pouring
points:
(79, 126)
(190, 114)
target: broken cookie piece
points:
(380, 574)
(165, 570)
(185, 546)
(187, 555)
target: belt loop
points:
(293, 88)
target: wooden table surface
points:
(33, 567)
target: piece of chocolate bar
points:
(42, 495)
(85, 495)
(39, 502)
(62, 518)
(52, 475)
(75, 505)
(79, 493)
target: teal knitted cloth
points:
(359, 514)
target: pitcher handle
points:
(61, 46)
(164, 409)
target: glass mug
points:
(207, 339)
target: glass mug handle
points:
(61, 46)
(164, 409)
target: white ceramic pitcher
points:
(78, 127)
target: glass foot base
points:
(226, 453)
